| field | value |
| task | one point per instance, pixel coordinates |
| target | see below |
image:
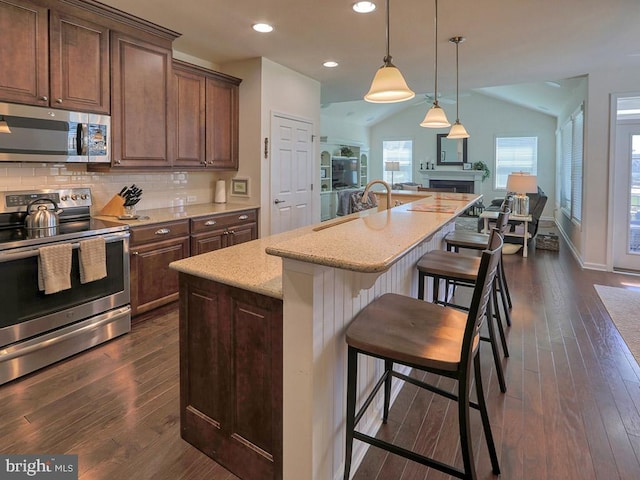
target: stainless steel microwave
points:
(40, 134)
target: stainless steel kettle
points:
(43, 219)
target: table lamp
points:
(392, 167)
(521, 183)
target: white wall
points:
(484, 118)
(268, 88)
(596, 207)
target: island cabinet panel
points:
(231, 376)
(142, 111)
(25, 48)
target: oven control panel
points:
(64, 198)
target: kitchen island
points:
(263, 356)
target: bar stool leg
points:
(466, 447)
(494, 346)
(352, 379)
(388, 366)
(421, 285)
(504, 293)
(482, 405)
(503, 338)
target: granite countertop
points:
(158, 215)
(368, 241)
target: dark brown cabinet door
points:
(24, 53)
(241, 234)
(189, 97)
(142, 111)
(222, 124)
(79, 64)
(231, 376)
(153, 283)
(207, 242)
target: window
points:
(571, 147)
(400, 151)
(515, 154)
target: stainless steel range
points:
(36, 328)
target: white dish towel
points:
(93, 260)
(54, 268)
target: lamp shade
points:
(4, 127)
(389, 86)
(392, 166)
(458, 131)
(521, 182)
(435, 118)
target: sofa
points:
(537, 201)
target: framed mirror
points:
(451, 151)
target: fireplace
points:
(458, 186)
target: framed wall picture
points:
(466, 166)
(240, 187)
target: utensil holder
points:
(114, 208)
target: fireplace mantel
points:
(474, 176)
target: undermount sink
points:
(333, 224)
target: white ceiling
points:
(508, 42)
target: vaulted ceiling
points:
(508, 42)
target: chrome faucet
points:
(381, 182)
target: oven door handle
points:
(34, 251)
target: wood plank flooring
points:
(571, 411)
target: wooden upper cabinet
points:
(79, 64)
(222, 124)
(207, 118)
(24, 53)
(55, 59)
(189, 96)
(142, 111)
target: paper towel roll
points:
(221, 192)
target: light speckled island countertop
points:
(157, 215)
(368, 241)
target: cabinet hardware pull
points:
(203, 162)
(162, 231)
(231, 232)
(59, 100)
(135, 253)
(225, 233)
(44, 98)
(243, 217)
(208, 223)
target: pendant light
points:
(388, 84)
(436, 117)
(457, 130)
(4, 127)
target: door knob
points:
(276, 201)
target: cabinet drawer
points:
(159, 232)
(215, 222)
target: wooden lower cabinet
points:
(231, 376)
(153, 248)
(223, 230)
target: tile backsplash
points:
(160, 189)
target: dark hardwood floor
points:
(572, 409)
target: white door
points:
(291, 173)
(626, 198)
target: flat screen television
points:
(344, 173)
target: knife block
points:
(114, 208)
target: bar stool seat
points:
(463, 270)
(439, 340)
(478, 241)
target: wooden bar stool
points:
(463, 270)
(478, 241)
(439, 340)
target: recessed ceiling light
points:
(364, 7)
(330, 64)
(263, 27)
